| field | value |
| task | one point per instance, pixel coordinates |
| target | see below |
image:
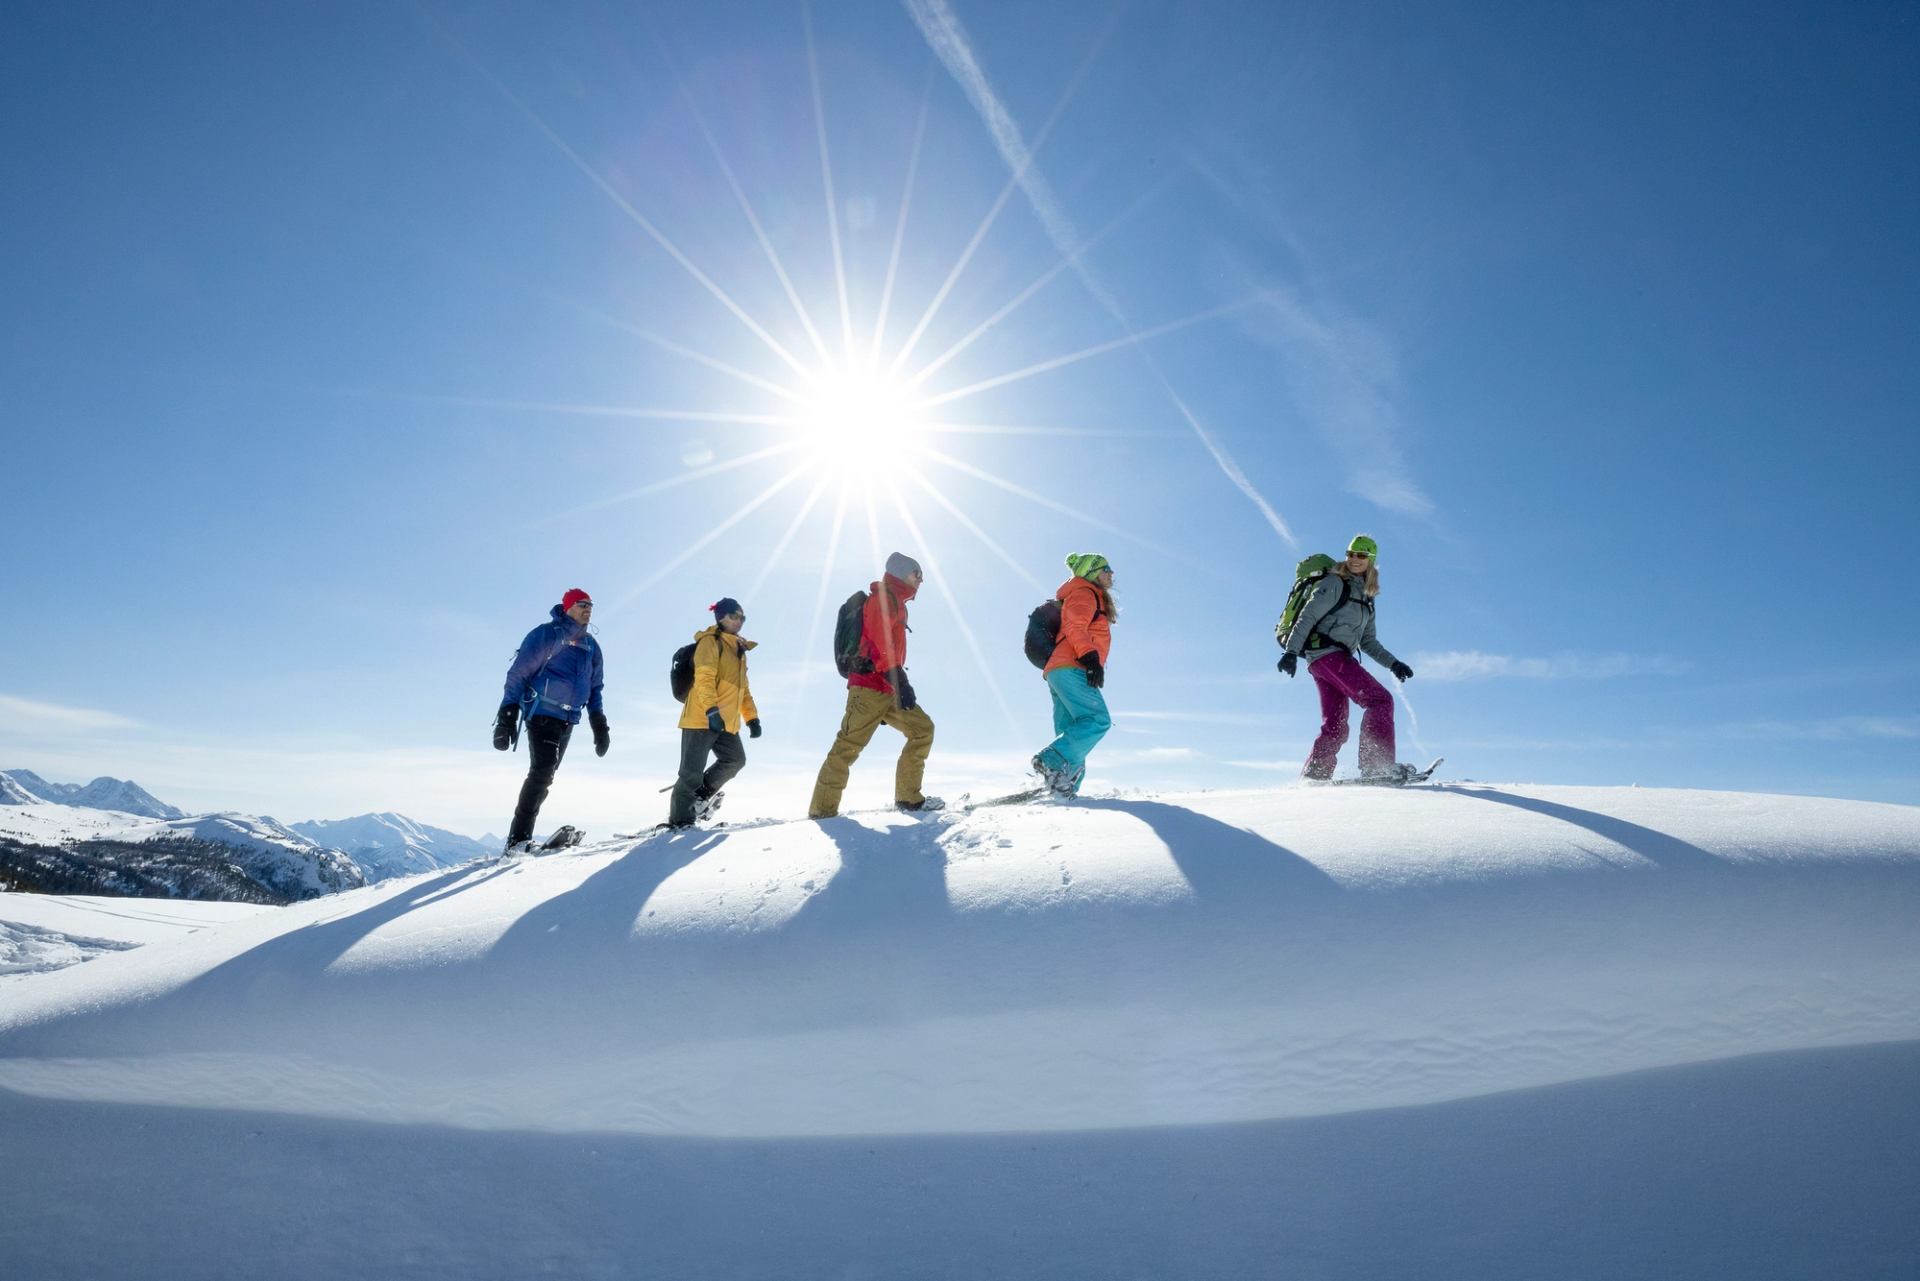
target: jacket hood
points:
(905, 591)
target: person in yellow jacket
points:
(710, 720)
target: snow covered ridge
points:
(1116, 963)
(387, 845)
(122, 796)
(207, 855)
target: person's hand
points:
(503, 725)
(753, 728)
(1289, 663)
(1096, 674)
(1401, 672)
(902, 689)
(602, 738)
(715, 722)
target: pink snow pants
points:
(1341, 679)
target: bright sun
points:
(843, 410)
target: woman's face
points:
(1105, 579)
(1357, 562)
(732, 624)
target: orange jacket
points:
(883, 633)
(1084, 624)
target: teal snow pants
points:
(1079, 719)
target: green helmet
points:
(1362, 543)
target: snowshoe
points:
(565, 837)
(925, 805)
(704, 807)
(520, 849)
(1399, 774)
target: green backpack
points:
(1306, 575)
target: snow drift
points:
(1119, 963)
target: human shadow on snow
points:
(1655, 846)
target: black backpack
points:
(847, 628)
(680, 676)
(1043, 630)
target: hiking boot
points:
(705, 806)
(923, 805)
(520, 849)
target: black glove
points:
(861, 664)
(602, 740)
(504, 724)
(1290, 663)
(1401, 672)
(714, 722)
(1096, 674)
(753, 728)
(902, 689)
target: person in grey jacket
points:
(1334, 626)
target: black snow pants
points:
(546, 739)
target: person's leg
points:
(865, 707)
(1333, 717)
(1087, 721)
(912, 766)
(694, 746)
(546, 740)
(1377, 749)
(729, 757)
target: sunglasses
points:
(1362, 555)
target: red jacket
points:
(883, 633)
(1084, 624)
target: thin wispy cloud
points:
(30, 714)
(1341, 370)
(1830, 729)
(1475, 665)
(948, 38)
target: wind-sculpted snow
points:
(1123, 962)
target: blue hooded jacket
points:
(558, 672)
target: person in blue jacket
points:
(556, 675)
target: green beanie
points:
(1362, 543)
(1086, 564)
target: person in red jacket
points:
(879, 693)
(1077, 672)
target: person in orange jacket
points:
(717, 706)
(879, 693)
(1077, 673)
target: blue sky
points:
(339, 340)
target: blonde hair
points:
(1371, 577)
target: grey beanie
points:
(902, 566)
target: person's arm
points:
(1076, 621)
(529, 659)
(882, 634)
(595, 707)
(1379, 653)
(706, 675)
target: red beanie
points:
(573, 597)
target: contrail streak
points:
(948, 39)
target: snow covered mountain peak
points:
(122, 796)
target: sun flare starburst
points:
(842, 408)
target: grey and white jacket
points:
(1327, 626)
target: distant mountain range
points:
(119, 795)
(390, 844)
(111, 836)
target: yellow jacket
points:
(719, 680)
